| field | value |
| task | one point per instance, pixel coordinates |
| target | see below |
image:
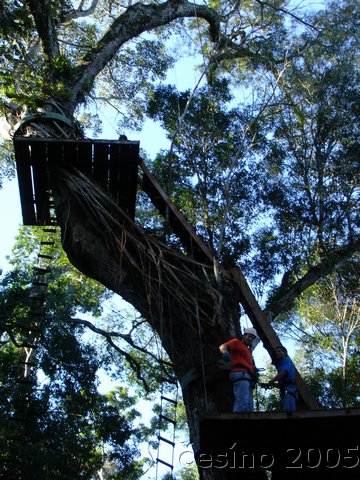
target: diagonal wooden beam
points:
(266, 332)
(177, 221)
(195, 245)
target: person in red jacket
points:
(242, 369)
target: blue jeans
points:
(243, 393)
(290, 398)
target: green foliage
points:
(280, 171)
(62, 409)
(325, 322)
(204, 174)
(268, 177)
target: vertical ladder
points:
(167, 430)
(28, 335)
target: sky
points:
(11, 219)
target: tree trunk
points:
(181, 299)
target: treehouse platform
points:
(301, 445)
(115, 165)
(112, 164)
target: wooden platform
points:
(300, 445)
(113, 164)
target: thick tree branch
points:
(46, 28)
(136, 20)
(79, 12)
(127, 337)
(286, 295)
(108, 337)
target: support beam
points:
(201, 252)
(267, 333)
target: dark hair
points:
(282, 348)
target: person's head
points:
(249, 336)
(280, 352)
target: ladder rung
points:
(17, 419)
(37, 313)
(169, 400)
(166, 440)
(42, 255)
(29, 328)
(172, 380)
(165, 463)
(37, 298)
(42, 271)
(168, 419)
(28, 345)
(15, 438)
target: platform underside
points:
(300, 445)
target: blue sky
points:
(11, 219)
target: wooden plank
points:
(127, 188)
(55, 154)
(123, 190)
(277, 415)
(85, 157)
(114, 172)
(72, 141)
(41, 182)
(69, 153)
(55, 157)
(22, 156)
(294, 446)
(101, 164)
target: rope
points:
(206, 66)
(201, 351)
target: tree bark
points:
(180, 298)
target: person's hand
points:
(226, 356)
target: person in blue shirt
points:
(285, 379)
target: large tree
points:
(59, 56)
